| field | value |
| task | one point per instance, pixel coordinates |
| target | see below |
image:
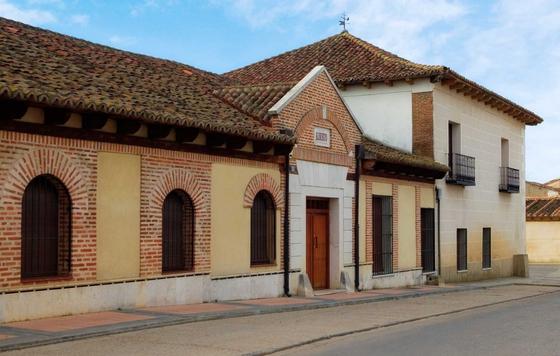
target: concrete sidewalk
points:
(59, 329)
(272, 332)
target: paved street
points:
(270, 332)
(528, 327)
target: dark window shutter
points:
(263, 229)
(46, 228)
(486, 247)
(382, 234)
(178, 232)
(462, 249)
(427, 234)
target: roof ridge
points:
(282, 54)
(262, 85)
(380, 52)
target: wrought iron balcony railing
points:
(462, 169)
(509, 180)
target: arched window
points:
(263, 229)
(178, 232)
(46, 228)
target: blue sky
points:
(512, 47)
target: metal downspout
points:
(438, 233)
(358, 154)
(287, 225)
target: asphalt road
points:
(528, 327)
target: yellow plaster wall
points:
(231, 222)
(543, 241)
(382, 189)
(407, 227)
(427, 199)
(118, 215)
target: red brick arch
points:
(178, 179)
(28, 166)
(263, 181)
(44, 161)
(151, 236)
(316, 114)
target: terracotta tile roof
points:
(48, 68)
(351, 60)
(379, 152)
(543, 209)
(254, 100)
(347, 58)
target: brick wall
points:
(74, 162)
(369, 181)
(423, 124)
(306, 112)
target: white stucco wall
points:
(475, 207)
(385, 112)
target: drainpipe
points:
(358, 154)
(438, 233)
(287, 225)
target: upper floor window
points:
(462, 167)
(178, 232)
(263, 229)
(509, 177)
(45, 228)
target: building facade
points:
(538, 190)
(131, 181)
(436, 113)
(543, 229)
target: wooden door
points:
(318, 249)
(427, 228)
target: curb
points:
(173, 319)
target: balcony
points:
(509, 180)
(462, 170)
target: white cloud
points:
(147, 5)
(33, 16)
(397, 25)
(79, 19)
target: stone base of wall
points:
(247, 287)
(36, 304)
(397, 279)
(43, 303)
(500, 269)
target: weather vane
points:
(344, 21)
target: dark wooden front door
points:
(427, 228)
(318, 244)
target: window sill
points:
(382, 275)
(46, 279)
(264, 265)
(180, 272)
(463, 271)
(487, 269)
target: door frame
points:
(308, 239)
